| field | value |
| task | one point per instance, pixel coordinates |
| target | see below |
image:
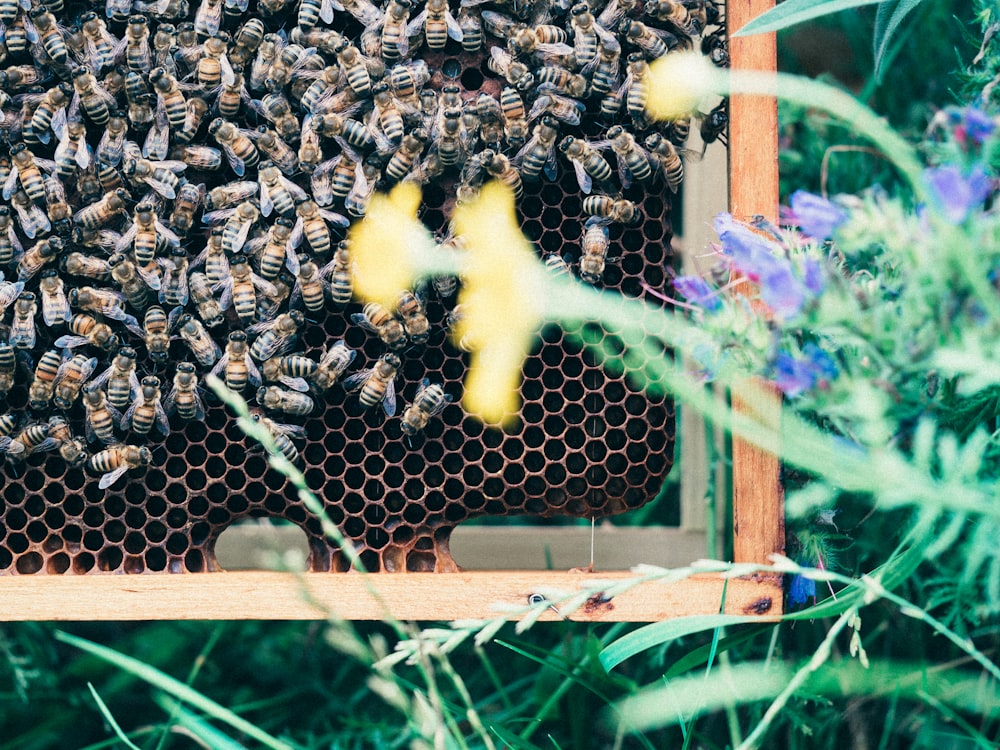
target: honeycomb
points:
(587, 444)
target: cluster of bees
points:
(179, 172)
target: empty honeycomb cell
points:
(176, 467)
(156, 480)
(155, 532)
(493, 487)
(36, 531)
(473, 476)
(94, 541)
(176, 493)
(453, 488)
(354, 527)
(513, 474)
(16, 519)
(134, 543)
(554, 450)
(177, 518)
(531, 207)
(195, 479)
(73, 534)
(194, 561)
(255, 466)
(114, 531)
(533, 437)
(54, 519)
(554, 426)
(215, 467)
(200, 532)
(177, 544)
(155, 559)
(534, 461)
(235, 454)
(17, 543)
(236, 504)
(13, 493)
(34, 480)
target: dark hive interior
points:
(587, 442)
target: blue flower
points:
(796, 375)
(781, 290)
(815, 215)
(976, 125)
(955, 193)
(800, 590)
(747, 250)
(698, 292)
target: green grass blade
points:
(890, 15)
(797, 11)
(658, 633)
(175, 688)
(196, 726)
(109, 717)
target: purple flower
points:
(955, 193)
(976, 125)
(747, 250)
(698, 292)
(815, 215)
(795, 376)
(781, 290)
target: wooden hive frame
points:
(758, 513)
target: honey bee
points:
(332, 364)
(633, 160)
(155, 332)
(146, 411)
(70, 378)
(405, 156)
(125, 274)
(33, 438)
(312, 12)
(614, 209)
(429, 401)
(213, 259)
(713, 125)
(277, 192)
(563, 108)
(56, 99)
(354, 132)
(395, 42)
(9, 292)
(545, 41)
(159, 175)
(43, 382)
(279, 152)
(676, 14)
(276, 336)
(246, 41)
(500, 167)
(406, 79)
(81, 264)
(356, 200)
(138, 56)
(199, 157)
(10, 245)
(291, 371)
(472, 30)
(208, 306)
(9, 422)
(276, 250)
(174, 288)
(230, 194)
(22, 327)
(99, 44)
(341, 280)
(8, 362)
(239, 221)
(30, 217)
(312, 225)
(539, 154)
(189, 198)
(637, 87)
(111, 146)
(106, 302)
(184, 398)
(268, 304)
(387, 113)
(605, 69)
(101, 417)
(515, 72)
(587, 162)
(24, 169)
(208, 18)
(55, 307)
(274, 398)
(366, 12)
(310, 286)
(438, 25)
(87, 330)
(103, 212)
(310, 153)
(377, 320)
(118, 459)
(236, 145)
(283, 434)
(193, 115)
(238, 290)
(668, 158)
(595, 245)
(202, 346)
(71, 449)
(95, 101)
(586, 32)
(120, 378)
(377, 384)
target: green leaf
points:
(890, 14)
(798, 11)
(109, 717)
(657, 633)
(175, 688)
(196, 726)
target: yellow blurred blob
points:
(678, 83)
(385, 245)
(501, 302)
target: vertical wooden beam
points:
(758, 507)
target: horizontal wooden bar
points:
(409, 596)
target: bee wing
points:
(10, 184)
(163, 188)
(326, 8)
(111, 477)
(150, 274)
(226, 300)
(297, 232)
(9, 445)
(416, 24)
(221, 364)
(53, 313)
(162, 422)
(362, 320)
(218, 216)
(335, 218)
(454, 29)
(586, 184)
(237, 164)
(263, 285)
(289, 430)
(297, 192)
(253, 373)
(266, 205)
(389, 399)
(292, 259)
(358, 379)
(167, 233)
(71, 342)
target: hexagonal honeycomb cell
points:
(587, 444)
